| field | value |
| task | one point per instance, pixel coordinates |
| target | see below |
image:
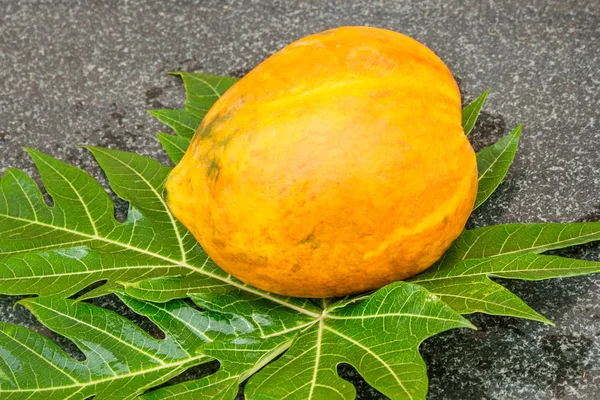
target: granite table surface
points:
(86, 72)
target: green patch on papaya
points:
(213, 169)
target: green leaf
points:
(466, 286)
(261, 331)
(202, 90)
(481, 294)
(493, 163)
(60, 250)
(349, 332)
(239, 360)
(379, 336)
(120, 357)
(499, 240)
(175, 146)
(532, 267)
(471, 112)
(183, 122)
(497, 251)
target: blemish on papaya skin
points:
(213, 169)
(206, 130)
(225, 114)
(311, 240)
(249, 259)
(218, 243)
(225, 141)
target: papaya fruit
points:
(336, 166)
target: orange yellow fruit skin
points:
(336, 166)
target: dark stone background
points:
(85, 72)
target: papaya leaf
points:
(470, 113)
(263, 332)
(507, 251)
(481, 294)
(103, 248)
(499, 240)
(241, 346)
(239, 360)
(120, 356)
(379, 336)
(406, 314)
(493, 163)
(466, 286)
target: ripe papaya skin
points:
(336, 166)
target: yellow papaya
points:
(336, 166)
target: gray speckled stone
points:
(77, 72)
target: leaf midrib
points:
(516, 310)
(86, 272)
(52, 246)
(313, 382)
(533, 316)
(499, 274)
(533, 249)
(111, 378)
(408, 315)
(174, 121)
(288, 330)
(501, 153)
